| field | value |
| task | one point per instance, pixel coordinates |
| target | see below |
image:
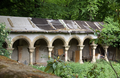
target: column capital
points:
(81, 46)
(10, 49)
(67, 47)
(105, 46)
(50, 48)
(94, 46)
(31, 49)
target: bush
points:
(3, 36)
(101, 69)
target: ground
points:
(12, 69)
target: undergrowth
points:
(100, 69)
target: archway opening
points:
(87, 51)
(113, 53)
(41, 52)
(58, 49)
(73, 52)
(5, 45)
(20, 52)
(99, 50)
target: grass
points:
(100, 69)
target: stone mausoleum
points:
(33, 40)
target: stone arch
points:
(59, 37)
(22, 37)
(73, 52)
(77, 38)
(87, 50)
(41, 37)
(87, 37)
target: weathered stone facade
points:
(31, 44)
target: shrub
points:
(59, 68)
(3, 36)
(100, 69)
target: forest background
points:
(94, 10)
(86, 10)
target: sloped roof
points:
(28, 24)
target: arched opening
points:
(20, 52)
(73, 52)
(5, 45)
(41, 52)
(99, 50)
(87, 50)
(113, 53)
(58, 49)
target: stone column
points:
(81, 48)
(105, 48)
(19, 53)
(66, 53)
(50, 48)
(36, 53)
(31, 50)
(93, 47)
(10, 50)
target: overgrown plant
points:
(100, 69)
(109, 35)
(94, 72)
(3, 36)
(59, 68)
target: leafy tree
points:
(3, 36)
(95, 10)
(109, 35)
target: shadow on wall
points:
(113, 53)
(5, 45)
(87, 51)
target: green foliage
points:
(3, 36)
(94, 72)
(59, 68)
(60, 9)
(101, 69)
(109, 35)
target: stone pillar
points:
(66, 53)
(10, 50)
(19, 53)
(50, 48)
(105, 48)
(31, 50)
(81, 48)
(36, 53)
(94, 46)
